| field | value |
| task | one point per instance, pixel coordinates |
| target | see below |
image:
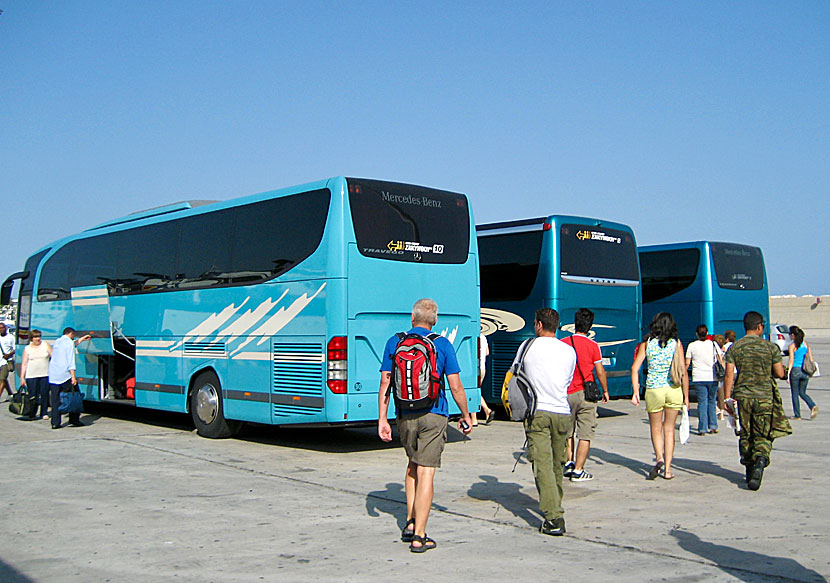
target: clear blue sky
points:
(687, 121)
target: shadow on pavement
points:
(637, 466)
(705, 467)
(9, 574)
(736, 562)
(507, 495)
(391, 501)
(320, 439)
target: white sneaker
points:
(569, 469)
(582, 476)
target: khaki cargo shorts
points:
(583, 416)
(5, 370)
(423, 437)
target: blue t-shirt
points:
(446, 361)
(798, 355)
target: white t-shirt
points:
(549, 364)
(6, 345)
(483, 353)
(702, 355)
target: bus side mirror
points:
(6, 291)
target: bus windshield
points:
(409, 223)
(738, 266)
(598, 255)
(668, 272)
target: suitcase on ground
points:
(23, 404)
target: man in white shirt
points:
(62, 375)
(549, 365)
(6, 359)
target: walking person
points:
(663, 401)
(701, 355)
(483, 353)
(34, 371)
(423, 432)
(798, 378)
(62, 375)
(549, 365)
(583, 413)
(760, 411)
(6, 360)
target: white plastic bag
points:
(684, 425)
(818, 371)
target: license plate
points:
(606, 362)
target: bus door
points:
(91, 315)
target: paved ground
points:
(137, 496)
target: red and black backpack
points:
(415, 381)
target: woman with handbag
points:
(704, 358)
(799, 351)
(34, 372)
(667, 388)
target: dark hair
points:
(752, 320)
(35, 333)
(583, 320)
(730, 335)
(798, 335)
(549, 318)
(663, 327)
(68, 330)
(702, 331)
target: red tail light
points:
(337, 351)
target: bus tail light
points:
(337, 365)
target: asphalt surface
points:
(137, 496)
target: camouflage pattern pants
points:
(758, 418)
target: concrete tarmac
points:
(137, 496)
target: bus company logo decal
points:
(586, 235)
(500, 321)
(229, 325)
(570, 328)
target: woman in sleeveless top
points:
(663, 401)
(798, 378)
(34, 372)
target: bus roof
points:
(688, 245)
(541, 222)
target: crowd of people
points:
(560, 429)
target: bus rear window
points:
(597, 255)
(409, 223)
(668, 272)
(509, 265)
(738, 266)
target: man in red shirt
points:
(583, 413)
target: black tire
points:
(206, 408)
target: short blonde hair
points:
(425, 311)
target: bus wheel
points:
(206, 408)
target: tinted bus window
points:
(275, 235)
(738, 266)
(667, 272)
(24, 300)
(409, 223)
(509, 265)
(588, 254)
(54, 277)
(27, 283)
(93, 261)
(147, 258)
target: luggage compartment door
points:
(91, 311)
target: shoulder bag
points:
(717, 368)
(517, 393)
(591, 390)
(678, 365)
(808, 367)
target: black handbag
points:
(591, 390)
(23, 404)
(71, 402)
(717, 368)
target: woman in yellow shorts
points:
(663, 401)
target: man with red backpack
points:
(413, 367)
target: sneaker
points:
(555, 527)
(581, 476)
(569, 469)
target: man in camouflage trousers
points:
(760, 411)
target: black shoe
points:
(756, 473)
(555, 527)
(76, 424)
(56, 427)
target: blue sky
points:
(686, 121)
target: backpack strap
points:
(523, 350)
(400, 336)
(577, 362)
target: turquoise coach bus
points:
(273, 308)
(704, 282)
(564, 263)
